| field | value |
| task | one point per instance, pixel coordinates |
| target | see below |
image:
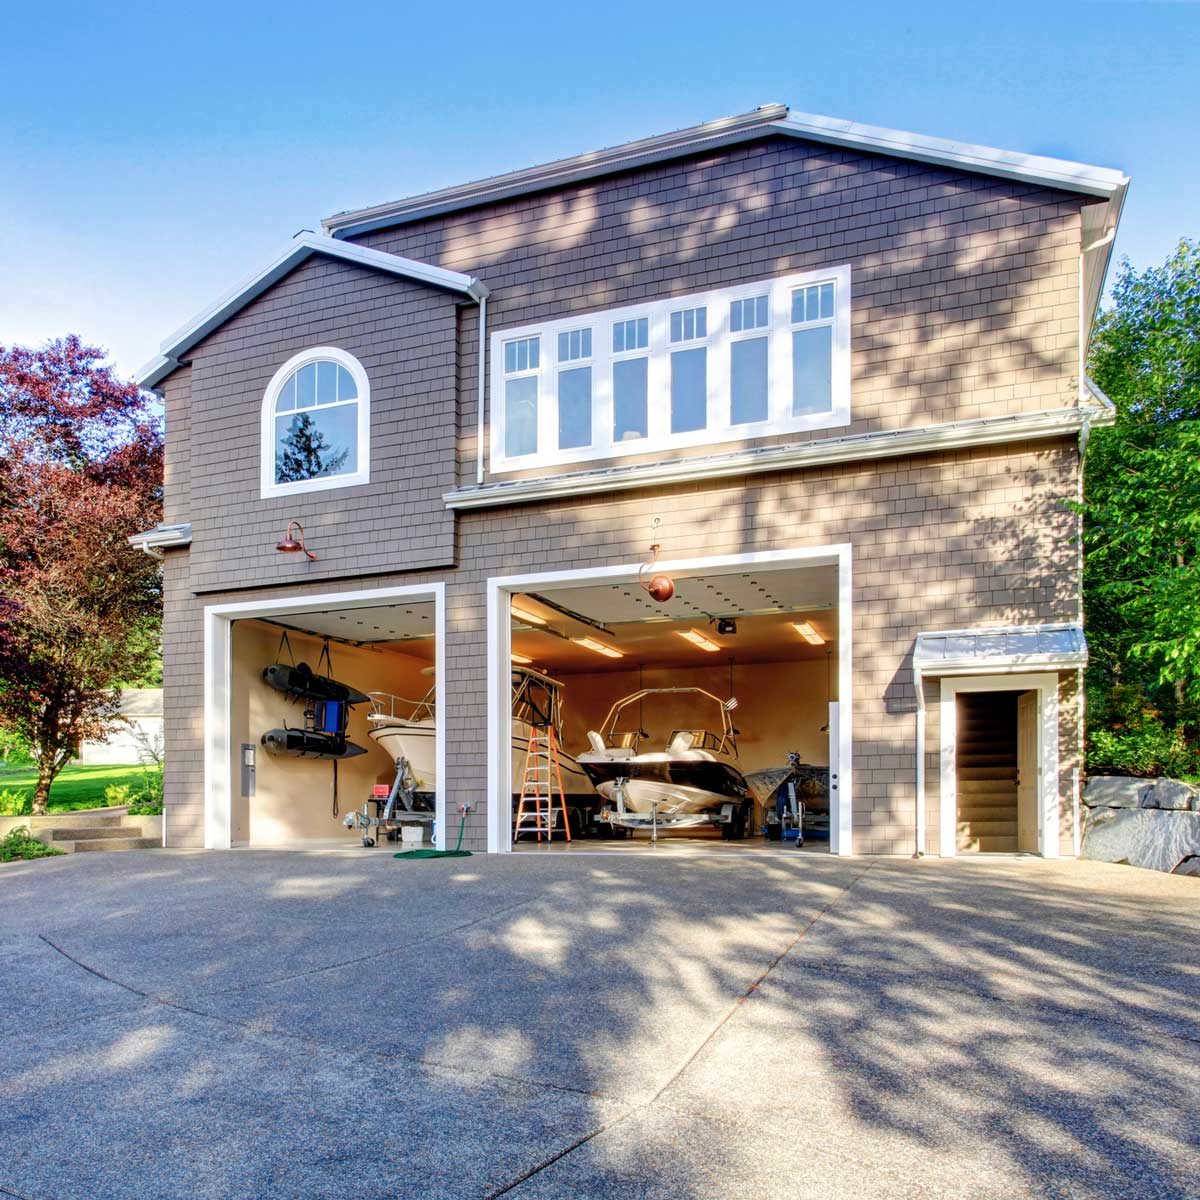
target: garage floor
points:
(257, 1023)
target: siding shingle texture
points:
(964, 305)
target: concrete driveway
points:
(258, 1024)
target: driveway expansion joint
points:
(646, 1105)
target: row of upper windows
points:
(745, 362)
(749, 361)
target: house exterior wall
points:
(940, 541)
(965, 288)
(965, 305)
(404, 335)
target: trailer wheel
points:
(368, 841)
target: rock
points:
(1173, 794)
(1189, 866)
(1116, 791)
(1158, 839)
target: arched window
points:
(316, 424)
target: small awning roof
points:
(1000, 649)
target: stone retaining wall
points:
(1152, 823)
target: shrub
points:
(116, 794)
(17, 844)
(15, 802)
(1136, 740)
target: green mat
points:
(426, 852)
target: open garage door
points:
(710, 717)
(325, 730)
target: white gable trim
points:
(294, 253)
(770, 119)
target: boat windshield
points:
(724, 742)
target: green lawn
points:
(76, 787)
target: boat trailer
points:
(724, 818)
(402, 806)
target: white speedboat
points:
(407, 729)
(693, 780)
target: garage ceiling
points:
(759, 639)
(365, 626)
(699, 597)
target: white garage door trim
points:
(499, 592)
(218, 690)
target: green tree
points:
(1142, 501)
(305, 453)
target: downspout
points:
(482, 358)
(919, 682)
(154, 552)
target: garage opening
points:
(331, 731)
(708, 718)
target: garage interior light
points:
(521, 659)
(697, 639)
(808, 633)
(598, 647)
(527, 615)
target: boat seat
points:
(598, 747)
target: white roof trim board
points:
(1000, 650)
(768, 120)
(856, 447)
(290, 257)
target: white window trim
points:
(659, 438)
(267, 485)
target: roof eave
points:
(773, 119)
(292, 255)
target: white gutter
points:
(955, 435)
(919, 682)
(482, 376)
(162, 537)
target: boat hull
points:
(574, 781)
(415, 741)
(676, 787)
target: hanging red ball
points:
(661, 588)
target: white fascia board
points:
(962, 156)
(771, 119)
(929, 439)
(294, 253)
(1105, 412)
(560, 173)
(1004, 666)
(162, 537)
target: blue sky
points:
(156, 153)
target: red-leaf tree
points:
(80, 470)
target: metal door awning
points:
(1000, 649)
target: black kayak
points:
(304, 743)
(303, 682)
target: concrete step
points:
(121, 843)
(986, 812)
(999, 774)
(982, 787)
(97, 817)
(73, 833)
(1001, 762)
(988, 845)
(997, 828)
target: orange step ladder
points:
(541, 787)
